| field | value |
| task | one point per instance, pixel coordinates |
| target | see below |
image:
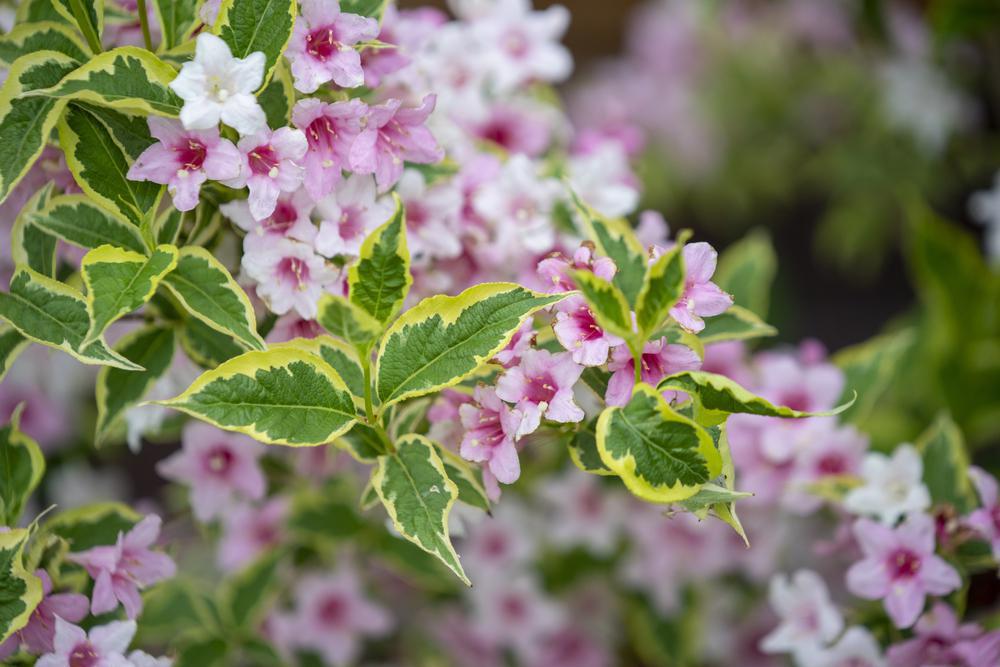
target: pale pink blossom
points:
(249, 531)
(582, 512)
(937, 637)
(577, 330)
(289, 219)
(270, 165)
(809, 619)
(515, 128)
(832, 453)
(391, 135)
(797, 383)
(986, 519)
(520, 342)
(221, 468)
(381, 62)
(103, 646)
(322, 45)
(36, 637)
(855, 648)
(542, 386)
(121, 570)
(289, 275)
(522, 46)
(184, 159)
(499, 544)
(349, 214)
(555, 269)
(702, 297)
(900, 568)
(491, 428)
(659, 359)
(514, 612)
(603, 179)
(445, 421)
(432, 217)
(290, 326)
(330, 130)
(892, 487)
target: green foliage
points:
(747, 269)
(78, 220)
(20, 590)
(662, 287)
(615, 239)
(381, 279)
(21, 468)
(28, 38)
(607, 302)
(92, 525)
(256, 25)
(946, 465)
(347, 321)
(177, 19)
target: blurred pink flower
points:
(659, 359)
(394, 134)
(555, 269)
(248, 531)
(270, 165)
(103, 646)
(322, 45)
(986, 519)
(491, 427)
(702, 297)
(36, 637)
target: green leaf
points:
(417, 494)
(380, 280)
(869, 368)
(21, 468)
(467, 480)
(256, 25)
(127, 78)
(20, 590)
(51, 313)
(100, 163)
(717, 397)
(338, 354)
(203, 652)
(326, 514)
(362, 442)
(946, 465)
(373, 8)
(168, 226)
(27, 122)
(35, 11)
(737, 323)
(151, 347)
(347, 321)
(583, 450)
(177, 19)
(77, 220)
(119, 281)
(278, 97)
(280, 397)
(90, 20)
(662, 287)
(247, 595)
(93, 525)
(28, 38)
(607, 302)
(661, 456)
(205, 346)
(12, 343)
(746, 270)
(444, 339)
(616, 239)
(30, 245)
(721, 499)
(205, 288)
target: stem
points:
(366, 365)
(83, 20)
(144, 22)
(637, 361)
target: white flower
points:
(893, 487)
(289, 275)
(809, 621)
(603, 179)
(856, 648)
(984, 207)
(522, 45)
(215, 86)
(921, 101)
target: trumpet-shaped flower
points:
(248, 531)
(391, 135)
(270, 167)
(330, 131)
(542, 386)
(122, 569)
(986, 519)
(349, 214)
(216, 86)
(36, 637)
(938, 640)
(659, 359)
(289, 275)
(290, 219)
(856, 648)
(221, 468)
(103, 646)
(577, 330)
(554, 269)
(523, 45)
(899, 567)
(893, 486)
(184, 159)
(432, 217)
(809, 620)
(491, 427)
(702, 297)
(322, 45)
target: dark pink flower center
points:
(540, 389)
(266, 534)
(285, 215)
(333, 611)
(263, 159)
(499, 131)
(590, 502)
(322, 43)
(489, 431)
(417, 215)
(513, 608)
(652, 367)
(587, 324)
(351, 223)
(995, 514)
(321, 135)
(191, 154)
(832, 464)
(219, 460)
(516, 44)
(84, 655)
(797, 400)
(293, 270)
(903, 564)
(495, 545)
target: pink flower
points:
(513, 611)
(330, 130)
(937, 635)
(521, 342)
(810, 387)
(658, 361)
(809, 619)
(290, 219)
(432, 217)
(900, 567)
(184, 159)
(831, 453)
(491, 427)
(577, 330)
(290, 327)
(986, 519)
(248, 531)
(321, 46)
(333, 616)
(121, 570)
(270, 167)
(523, 45)
(104, 646)
(702, 298)
(36, 636)
(394, 134)
(220, 468)
(516, 129)
(582, 512)
(289, 275)
(554, 269)
(349, 214)
(380, 62)
(542, 386)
